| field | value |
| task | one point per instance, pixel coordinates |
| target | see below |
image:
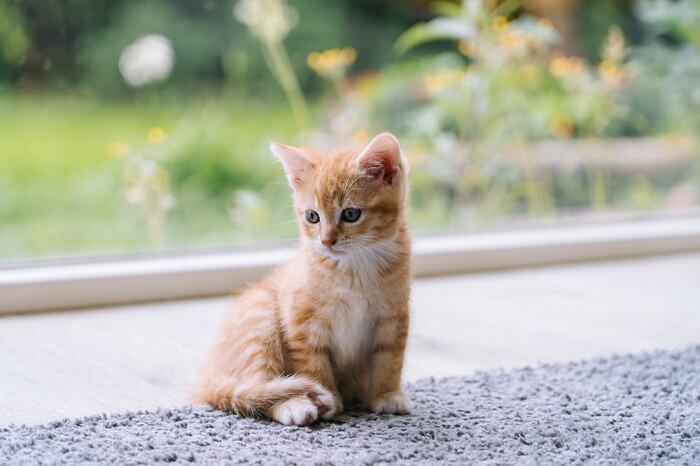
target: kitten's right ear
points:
(296, 163)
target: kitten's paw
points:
(391, 403)
(299, 411)
(327, 404)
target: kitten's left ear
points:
(381, 158)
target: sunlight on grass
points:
(60, 182)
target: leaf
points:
(444, 8)
(507, 8)
(437, 29)
(455, 28)
(415, 35)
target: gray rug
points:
(637, 409)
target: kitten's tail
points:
(256, 398)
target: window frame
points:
(146, 279)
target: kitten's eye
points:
(312, 216)
(350, 215)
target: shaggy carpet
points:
(638, 409)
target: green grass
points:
(61, 186)
(42, 137)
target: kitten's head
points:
(348, 200)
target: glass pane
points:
(142, 126)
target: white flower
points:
(148, 60)
(268, 19)
(167, 201)
(134, 195)
(147, 168)
(472, 8)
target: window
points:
(144, 126)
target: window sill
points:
(54, 287)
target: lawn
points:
(61, 180)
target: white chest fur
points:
(352, 326)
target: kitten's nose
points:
(329, 242)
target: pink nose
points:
(329, 242)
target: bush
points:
(198, 45)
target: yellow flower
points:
(611, 72)
(499, 24)
(561, 126)
(466, 48)
(156, 135)
(614, 47)
(366, 83)
(118, 149)
(331, 63)
(565, 66)
(442, 80)
(512, 39)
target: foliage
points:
(506, 86)
(196, 52)
(472, 94)
(677, 67)
(14, 42)
(65, 162)
(57, 44)
(270, 21)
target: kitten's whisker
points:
(282, 223)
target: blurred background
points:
(129, 125)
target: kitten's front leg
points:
(385, 394)
(314, 362)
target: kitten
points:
(330, 326)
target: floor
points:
(78, 363)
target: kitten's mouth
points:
(333, 252)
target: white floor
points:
(86, 362)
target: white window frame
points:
(143, 279)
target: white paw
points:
(392, 403)
(299, 411)
(325, 402)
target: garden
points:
(141, 126)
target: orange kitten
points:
(330, 326)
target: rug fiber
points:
(639, 409)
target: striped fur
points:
(331, 325)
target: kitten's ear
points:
(296, 163)
(381, 158)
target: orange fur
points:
(330, 326)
